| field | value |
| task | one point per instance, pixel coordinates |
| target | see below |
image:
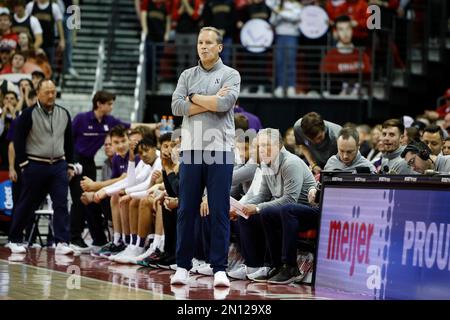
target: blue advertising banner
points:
(385, 243)
(6, 199)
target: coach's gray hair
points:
(216, 31)
(274, 134)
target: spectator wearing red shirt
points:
(5, 55)
(345, 60)
(356, 10)
(440, 111)
(17, 63)
(6, 35)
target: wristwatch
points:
(257, 209)
(190, 97)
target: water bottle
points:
(163, 128)
(170, 125)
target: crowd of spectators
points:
(295, 69)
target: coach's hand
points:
(233, 215)
(204, 209)
(312, 196)
(70, 174)
(249, 209)
(12, 175)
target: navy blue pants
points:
(281, 227)
(202, 238)
(196, 173)
(38, 180)
(252, 241)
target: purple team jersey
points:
(119, 165)
(89, 134)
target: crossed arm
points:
(202, 104)
(222, 101)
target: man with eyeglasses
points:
(419, 157)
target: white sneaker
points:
(173, 267)
(63, 248)
(241, 272)
(180, 277)
(32, 245)
(221, 279)
(121, 253)
(142, 256)
(291, 92)
(132, 254)
(16, 247)
(278, 92)
(261, 272)
(196, 264)
(205, 270)
(80, 249)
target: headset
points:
(419, 148)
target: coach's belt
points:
(46, 160)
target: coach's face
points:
(47, 94)
(268, 148)
(207, 47)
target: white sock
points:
(124, 239)
(161, 243)
(156, 240)
(116, 240)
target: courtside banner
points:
(385, 243)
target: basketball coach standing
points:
(44, 151)
(205, 96)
